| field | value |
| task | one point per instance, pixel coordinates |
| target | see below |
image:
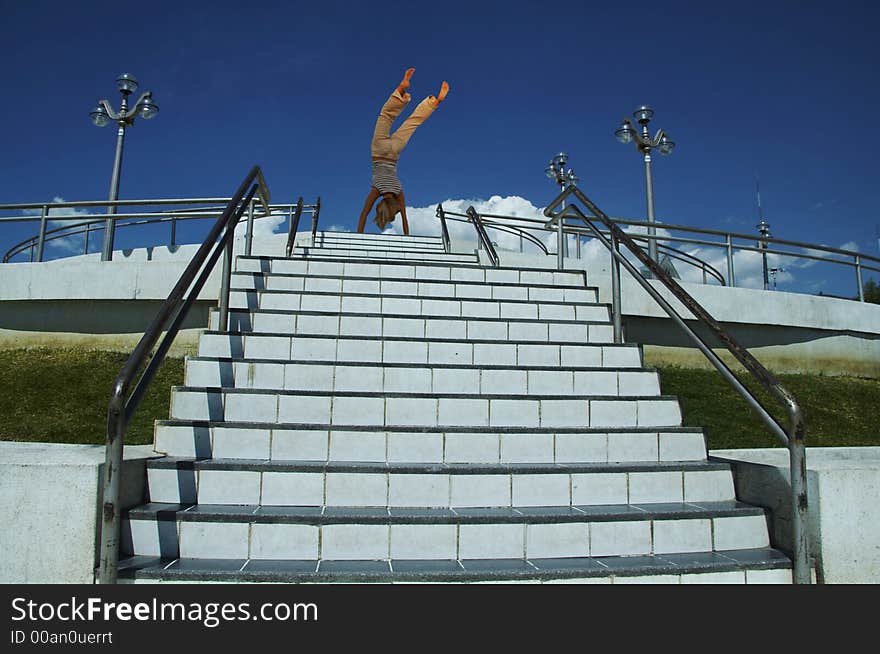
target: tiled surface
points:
(359, 405)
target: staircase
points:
(381, 410)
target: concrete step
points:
(285, 442)
(380, 240)
(321, 302)
(418, 271)
(395, 378)
(389, 485)
(354, 533)
(434, 290)
(502, 332)
(752, 566)
(331, 240)
(422, 410)
(378, 255)
(441, 345)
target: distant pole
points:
(764, 229)
(556, 171)
(102, 115)
(626, 133)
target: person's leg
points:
(419, 115)
(381, 145)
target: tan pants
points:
(388, 146)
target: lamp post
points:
(102, 115)
(764, 230)
(556, 171)
(626, 133)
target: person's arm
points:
(368, 204)
(401, 203)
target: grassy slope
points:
(39, 389)
(56, 395)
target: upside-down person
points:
(385, 150)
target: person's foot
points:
(404, 83)
(444, 89)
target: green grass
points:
(838, 411)
(61, 395)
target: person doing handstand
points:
(385, 150)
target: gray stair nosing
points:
(358, 515)
(449, 366)
(367, 467)
(420, 429)
(590, 567)
(239, 333)
(360, 314)
(431, 395)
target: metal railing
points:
(444, 230)
(292, 226)
(483, 237)
(729, 243)
(793, 437)
(187, 209)
(127, 395)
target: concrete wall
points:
(843, 485)
(50, 500)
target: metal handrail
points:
(793, 437)
(444, 230)
(861, 262)
(483, 236)
(292, 226)
(85, 227)
(315, 215)
(169, 319)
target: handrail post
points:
(731, 280)
(223, 319)
(249, 234)
(859, 278)
(86, 238)
(315, 215)
(560, 244)
(41, 242)
(444, 230)
(616, 308)
(109, 553)
(173, 231)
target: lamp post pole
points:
(626, 133)
(556, 171)
(102, 115)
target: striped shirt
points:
(385, 177)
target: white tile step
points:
(412, 288)
(291, 483)
(381, 239)
(472, 307)
(213, 532)
(411, 271)
(382, 255)
(365, 244)
(400, 378)
(335, 302)
(441, 348)
(502, 332)
(436, 410)
(279, 442)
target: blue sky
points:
(784, 90)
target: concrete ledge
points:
(843, 517)
(49, 506)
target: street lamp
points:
(102, 115)
(764, 230)
(626, 133)
(556, 171)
